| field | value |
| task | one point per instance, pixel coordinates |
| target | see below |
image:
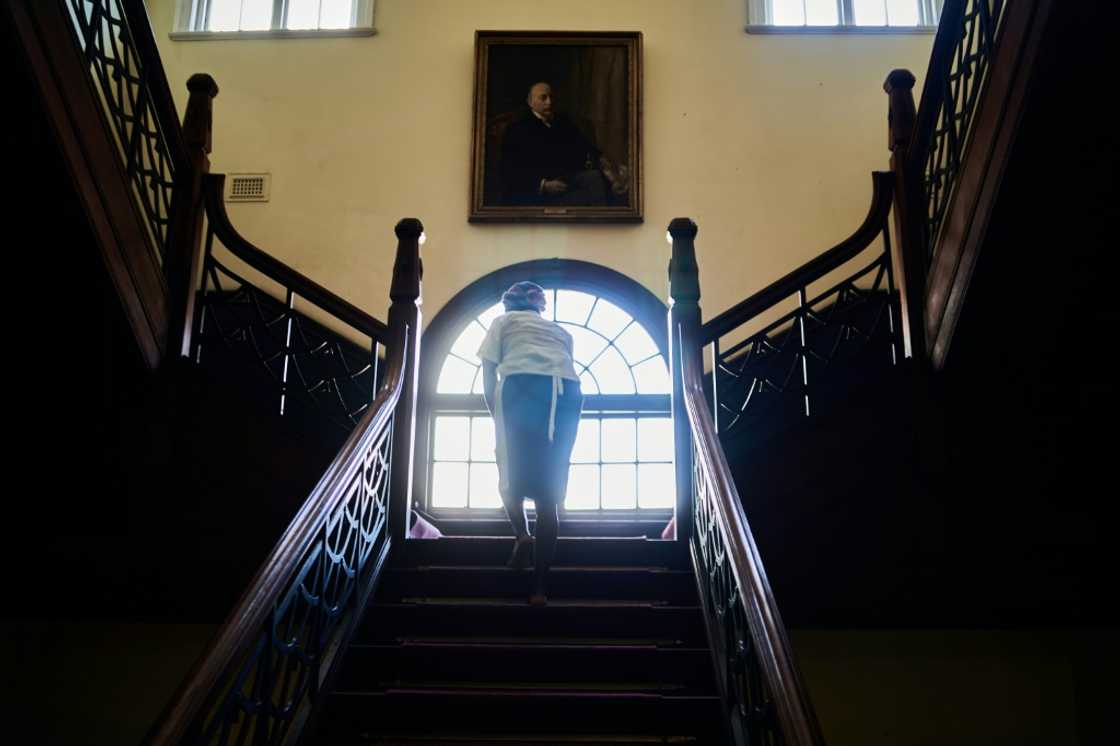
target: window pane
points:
(490, 314)
(482, 439)
(902, 12)
(788, 12)
(456, 376)
(636, 344)
(608, 319)
(303, 14)
(821, 13)
(224, 15)
(477, 386)
(586, 345)
(587, 442)
(335, 14)
(448, 482)
(656, 485)
(655, 439)
(583, 488)
(652, 376)
(573, 306)
(619, 487)
(484, 486)
(468, 343)
(256, 15)
(618, 440)
(451, 441)
(871, 12)
(587, 384)
(613, 374)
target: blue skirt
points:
(536, 467)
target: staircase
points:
(450, 652)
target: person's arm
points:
(489, 383)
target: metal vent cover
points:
(248, 187)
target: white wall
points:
(766, 141)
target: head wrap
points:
(524, 296)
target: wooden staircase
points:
(451, 652)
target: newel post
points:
(404, 328)
(684, 323)
(183, 261)
(908, 259)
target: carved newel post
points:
(404, 329)
(684, 331)
(908, 251)
(183, 263)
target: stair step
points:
(536, 739)
(389, 622)
(432, 711)
(597, 583)
(641, 667)
(495, 550)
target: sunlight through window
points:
(623, 455)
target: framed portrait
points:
(557, 127)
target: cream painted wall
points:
(766, 141)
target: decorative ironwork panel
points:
(259, 698)
(103, 35)
(793, 364)
(963, 85)
(748, 704)
(301, 357)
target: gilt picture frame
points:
(557, 127)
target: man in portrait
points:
(546, 159)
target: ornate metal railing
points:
(117, 42)
(953, 87)
(785, 367)
(765, 700)
(301, 357)
(262, 676)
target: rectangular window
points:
(808, 16)
(248, 19)
(619, 462)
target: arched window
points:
(622, 461)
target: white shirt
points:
(523, 342)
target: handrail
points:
(812, 270)
(259, 600)
(163, 103)
(764, 698)
(276, 270)
(788, 695)
(954, 84)
(327, 563)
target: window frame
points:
(190, 19)
(630, 296)
(760, 20)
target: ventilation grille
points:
(248, 187)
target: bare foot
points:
(519, 558)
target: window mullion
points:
(845, 12)
(279, 14)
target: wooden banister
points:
(812, 270)
(908, 252)
(183, 262)
(950, 167)
(198, 699)
(719, 528)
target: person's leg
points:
(522, 541)
(553, 485)
(518, 408)
(548, 528)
